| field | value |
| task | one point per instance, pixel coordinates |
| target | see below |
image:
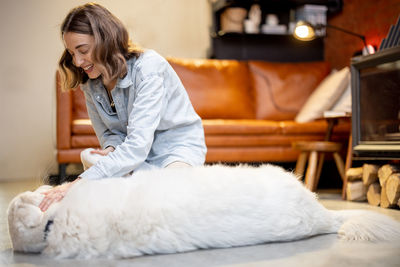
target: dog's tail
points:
(366, 225)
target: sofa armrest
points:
(64, 116)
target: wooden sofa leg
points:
(62, 172)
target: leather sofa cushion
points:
(218, 89)
(281, 89)
(258, 140)
(251, 154)
(228, 140)
(71, 155)
(269, 127)
(313, 127)
(245, 127)
(82, 126)
(84, 141)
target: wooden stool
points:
(316, 151)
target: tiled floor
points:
(324, 250)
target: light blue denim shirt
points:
(154, 123)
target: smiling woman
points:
(102, 37)
(138, 107)
(79, 46)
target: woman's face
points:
(80, 46)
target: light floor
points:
(324, 250)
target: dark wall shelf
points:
(275, 48)
(268, 47)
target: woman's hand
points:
(55, 194)
(103, 152)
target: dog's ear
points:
(30, 216)
(28, 211)
(33, 198)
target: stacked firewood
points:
(379, 185)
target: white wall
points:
(29, 52)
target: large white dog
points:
(176, 210)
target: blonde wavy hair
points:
(112, 46)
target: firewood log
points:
(354, 174)
(384, 199)
(369, 174)
(356, 191)
(385, 171)
(393, 188)
(374, 194)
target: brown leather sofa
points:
(248, 110)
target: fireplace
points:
(376, 104)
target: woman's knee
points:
(88, 159)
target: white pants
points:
(89, 160)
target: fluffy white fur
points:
(177, 210)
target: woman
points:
(139, 108)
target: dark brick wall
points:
(371, 18)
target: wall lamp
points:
(305, 31)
